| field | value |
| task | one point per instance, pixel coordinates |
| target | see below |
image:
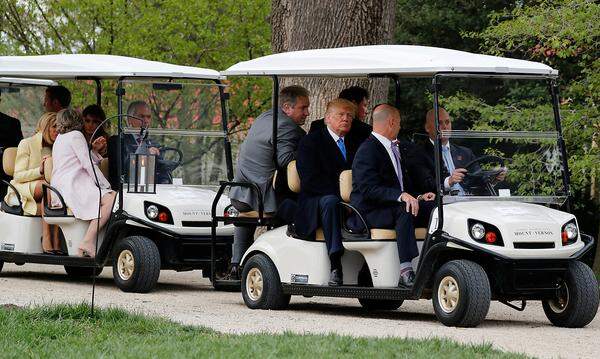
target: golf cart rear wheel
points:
(261, 286)
(83, 272)
(577, 298)
(380, 304)
(136, 264)
(461, 294)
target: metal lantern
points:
(142, 168)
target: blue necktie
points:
(450, 167)
(340, 143)
(397, 158)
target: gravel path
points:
(189, 299)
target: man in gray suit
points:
(256, 163)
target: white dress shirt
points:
(387, 144)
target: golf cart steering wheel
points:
(166, 167)
(478, 180)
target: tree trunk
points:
(312, 24)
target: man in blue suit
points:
(322, 156)
(382, 189)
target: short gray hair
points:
(290, 95)
(133, 106)
(68, 120)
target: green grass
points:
(68, 332)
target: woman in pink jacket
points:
(73, 176)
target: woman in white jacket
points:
(73, 176)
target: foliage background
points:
(562, 33)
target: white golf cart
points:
(161, 218)
(507, 241)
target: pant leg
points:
(330, 220)
(405, 236)
(286, 210)
(243, 235)
(425, 208)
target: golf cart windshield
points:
(502, 135)
(184, 123)
(23, 102)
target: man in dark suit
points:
(360, 129)
(454, 158)
(141, 118)
(10, 136)
(322, 156)
(256, 164)
(382, 189)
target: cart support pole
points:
(553, 87)
(397, 92)
(120, 93)
(224, 122)
(438, 155)
(275, 116)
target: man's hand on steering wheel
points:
(457, 176)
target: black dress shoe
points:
(407, 279)
(335, 277)
(234, 273)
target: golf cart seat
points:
(9, 156)
(293, 179)
(12, 218)
(73, 229)
(379, 234)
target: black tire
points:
(579, 294)
(83, 272)
(140, 266)
(380, 304)
(1, 265)
(271, 296)
(469, 282)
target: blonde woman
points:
(74, 176)
(29, 177)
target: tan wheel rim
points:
(559, 304)
(448, 294)
(125, 264)
(254, 284)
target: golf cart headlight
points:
(570, 231)
(152, 211)
(478, 231)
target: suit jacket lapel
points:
(384, 153)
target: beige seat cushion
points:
(254, 214)
(48, 165)
(319, 235)
(8, 160)
(293, 177)
(390, 234)
(346, 185)
(104, 167)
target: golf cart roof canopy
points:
(400, 60)
(74, 66)
(19, 82)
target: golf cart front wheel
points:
(461, 294)
(577, 298)
(380, 304)
(136, 264)
(261, 286)
(83, 272)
